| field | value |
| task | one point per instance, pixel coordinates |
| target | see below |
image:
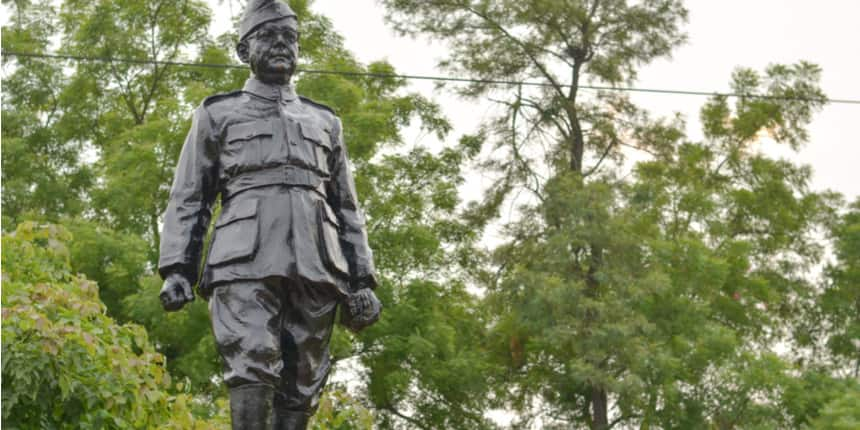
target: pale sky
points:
(722, 36)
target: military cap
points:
(260, 12)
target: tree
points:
(705, 254)
(133, 114)
(557, 43)
(631, 300)
(839, 306)
(43, 174)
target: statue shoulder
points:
(222, 106)
(216, 98)
(318, 105)
(326, 116)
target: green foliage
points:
(66, 364)
(185, 338)
(840, 414)
(113, 260)
(426, 364)
(339, 411)
(43, 174)
(659, 288)
(640, 296)
(839, 306)
(559, 43)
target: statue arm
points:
(344, 201)
(188, 212)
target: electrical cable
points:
(422, 77)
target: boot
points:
(288, 419)
(251, 407)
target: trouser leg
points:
(251, 407)
(306, 326)
(245, 321)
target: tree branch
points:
(562, 127)
(602, 157)
(411, 420)
(525, 48)
(125, 92)
(638, 148)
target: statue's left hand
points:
(363, 309)
(175, 293)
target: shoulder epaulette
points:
(213, 98)
(318, 104)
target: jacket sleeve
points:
(188, 212)
(342, 197)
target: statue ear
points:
(242, 50)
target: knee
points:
(259, 363)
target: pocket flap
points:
(315, 134)
(248, 130)
(329, 214)
(246, 209)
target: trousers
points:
(275, 332)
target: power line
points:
(420, 77)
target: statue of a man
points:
(290, 243)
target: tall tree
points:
(628, 300)
(559, 44)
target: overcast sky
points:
(722, 36)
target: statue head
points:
(268, 40)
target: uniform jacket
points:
(289, 207)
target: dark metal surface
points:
(290, 243)
(289, 202)
(275, 333)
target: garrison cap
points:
(260, 12)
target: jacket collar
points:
(270, 91)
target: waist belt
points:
(280, 175)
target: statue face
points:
(272, 50)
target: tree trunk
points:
(600, 417)
(597, 396)
(599, 401)
(577, 140)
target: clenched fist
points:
(362, 309)
(175, 293)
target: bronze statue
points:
(290, 243)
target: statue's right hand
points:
(175, 293)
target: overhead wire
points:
(425, 77)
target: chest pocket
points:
(245, 144)
(319, 141)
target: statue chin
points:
(278, 73)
